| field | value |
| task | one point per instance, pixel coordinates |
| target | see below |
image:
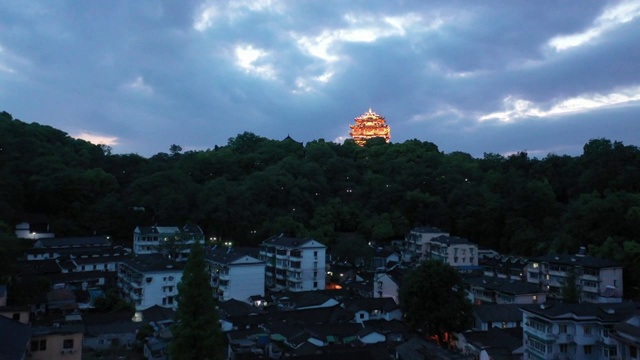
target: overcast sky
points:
(473, 76)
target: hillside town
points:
(291, 297)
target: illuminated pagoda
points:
(369, 125)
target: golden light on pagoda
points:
(369, 125)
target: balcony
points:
(564, 338)
(586, 339)
(295, 279)
(543, 335)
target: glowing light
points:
(369, 125)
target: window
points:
(361, 315)
(67, 344)
(588, 349)
(16, 316)
(39, 345)
(504, 325)
(315, 254)
(563, 348)
(315, 274)
(315, 284)
(563, 328)
(633, 352)
(535, 265)
(587, 330)
(534, 298)
(315, 265)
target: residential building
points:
(235, 275)
(494, 343)
(54, 244)
(386, 284)
(34, 227)
(505, 267)
(455, 251)
(62, 340)
(627, 333)
(373, 309)
(149, 280)
(599, 280)
(487, 316)
(573, 331)
(492, 290)
(294, 264)
(416, 243)
(173, 240)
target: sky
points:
(474, 76)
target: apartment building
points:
(294, 264)
(235, 275)
(492, 290)
(599, 280)
(149, 280)
(455, 251)
(627, 333)
(415, 243)
(171, 240)
(574, 331)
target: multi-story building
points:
(627, 333)
(455, 251)
(170, 240)
(415, 248)
(493, 290)
(599, 280)
(235, 275)
(149, 280)
(294, 264)
(573, 331)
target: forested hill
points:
(256, 187)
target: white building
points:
(149, 280)
(416, 242)
(165, 239)
(294, 264)
(573, 331)
(455, 251)
(235, 275)
(599, 280)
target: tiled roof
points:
(573, 260)
(428, 230)
(288, 242)
(506, 286)
(227, 256)
(153, 263)
(160, 229)
(604, 312)
(498, 312)
(15, 338)
(495, 338)
(385, 304)
(73, 241)
(451, 240)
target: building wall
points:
(21, 316)
(58, 346)
(385, 286)
(313, 269)
(161, 290)
(107, 341)
(243, 281)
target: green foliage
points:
(570, 290)
(433, 299)
(248, 189)
(111, 302)
(196, 332)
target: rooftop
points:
(72, 242)
(153, 263)
(290, 242)
(498, 312)
(451, 240)
(157, 229)
(508, 286)
(582, 260)
(614, 312)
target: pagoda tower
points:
(369, 125)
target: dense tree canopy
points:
(433, 299)
(254, 187)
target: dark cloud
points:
(141, 71)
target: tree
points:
(433, 299)
(570, 290)
(196, 332)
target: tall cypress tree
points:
(196, 332)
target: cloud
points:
(138, 85)
(519, 108)
(204, 16)
(96, 138)
(252, 61)
(612, 17)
